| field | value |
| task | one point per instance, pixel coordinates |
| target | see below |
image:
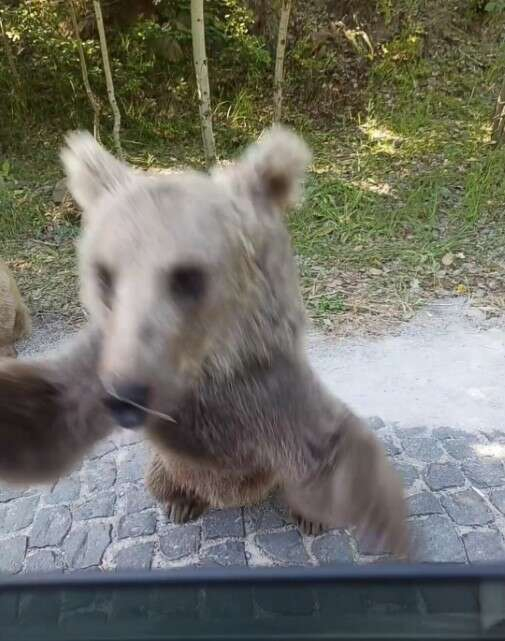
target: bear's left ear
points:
(274, 168)
(91, 170)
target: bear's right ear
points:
(274, 169)
(91, 170)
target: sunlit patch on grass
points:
(379, 132)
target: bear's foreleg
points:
(346, 480)
(181, 503)
(51, 411)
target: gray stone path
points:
(101, 516)
(446, 367)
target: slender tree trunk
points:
(108, 78)
(498, 122)
(279, 58)
(202, 80)
(11, 61)
(93, 100)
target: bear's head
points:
(185, 273)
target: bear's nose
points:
(127, 404)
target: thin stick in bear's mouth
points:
(111, 392)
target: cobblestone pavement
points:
(101, 516)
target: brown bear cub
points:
(15, 321)
(196, 334)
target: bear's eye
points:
(187, 283)
(105, 284)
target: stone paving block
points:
(230, 553)
(333, 547)
(68, 528)
(435, 540)
(467, 508)
(406, 434)
(20, 514)
(180, 541)
(423, 504)
(375, 423)
(261, 517)
(132, 465)
(281, 507)
(43, 561)
(98, 506)
(442, 476)
(66, 490)
(389, 446)
(484, 546)
(220, 523)
(137, 556)
(138, 499)
(139, 524)
(9, 492)
(50, 526)
(452, 432)
(100, 475)
(284, 548)
(124, 438)
(424, 449)
(485, 473)
(497, 498)
(370, 544)
(84, 547)
(102, 448)
(496, 436)
(12, 555)
(408, 473)
(460, 449)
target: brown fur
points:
(51, 411)
(15, 322)
(225, 361)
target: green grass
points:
(414, 181)
(403, 204)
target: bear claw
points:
(308, 527)
(184, 510)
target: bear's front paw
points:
(185, 508)
(307, 527)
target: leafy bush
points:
(151, 59)
(496, 6)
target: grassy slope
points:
(405, 205)
(408, 204)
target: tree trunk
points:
(202, 80)
(498, 122)
(108, 78)
(279, 58)
(95, 104)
